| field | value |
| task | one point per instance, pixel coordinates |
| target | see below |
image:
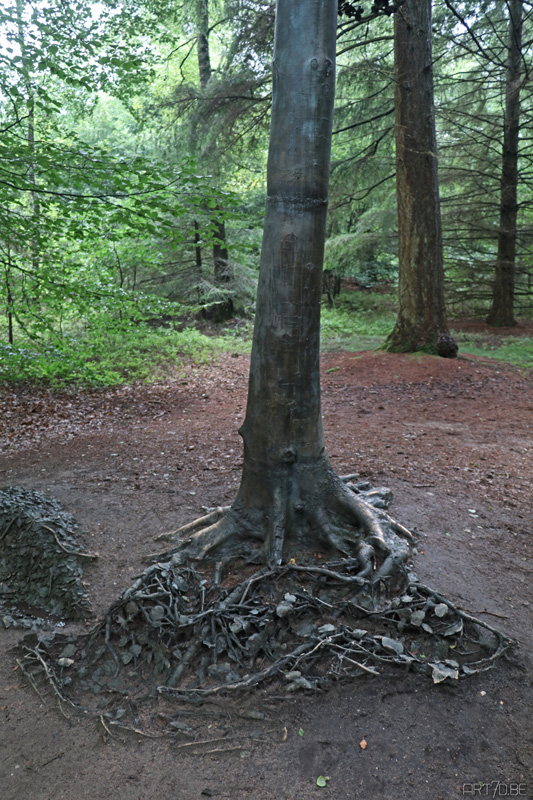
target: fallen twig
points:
(77, 553)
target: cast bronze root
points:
(348, 519)
(174, 637)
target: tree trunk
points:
(290, 499)
(220, 250)
(421, 323)
(202, 41)
(502, 310)
(9, 297)
(284, 453)
(30, 138)
(198, 249)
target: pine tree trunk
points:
(421, 323)
(502, 309)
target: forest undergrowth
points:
(109, 351)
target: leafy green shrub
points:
(358, 256)
(106, 353)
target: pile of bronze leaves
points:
(40, 562)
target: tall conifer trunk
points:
(502, 309)
(421, 323)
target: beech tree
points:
(66, 206)
(171, 623)
(421, 323)
(290, 498)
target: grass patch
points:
(104, 352)
(517, 350)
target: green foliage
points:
(357, 255)
(362, 190)
(105, 352)
(361, 320)
(470, 76)
(117, 165)
(471, 72)
(85, 224)
(80, 45)
(77, 224)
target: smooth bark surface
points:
(421, 323)
(502, 310)
(290, 500)
(283, 434)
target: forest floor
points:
(453, 439)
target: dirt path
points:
(454, 441)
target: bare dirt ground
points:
(452, 438)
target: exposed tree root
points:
(178, 635)
(195, 525)
(348, 519)
(175, 635)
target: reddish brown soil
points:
(453, 439)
